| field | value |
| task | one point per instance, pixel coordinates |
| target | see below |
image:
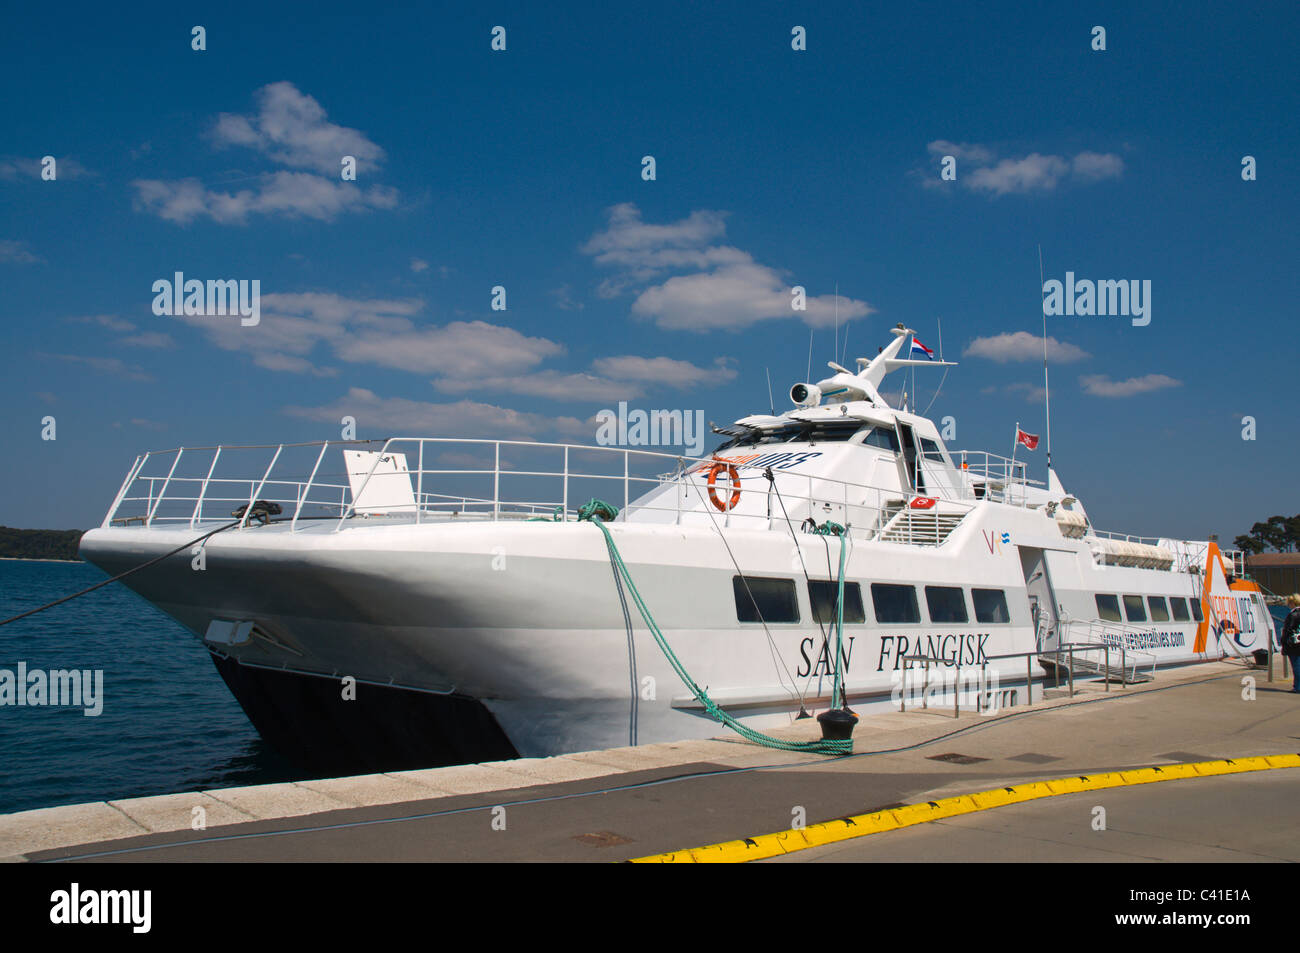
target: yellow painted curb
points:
(861, 825)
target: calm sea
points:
(169, 724)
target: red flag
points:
(1028, 439)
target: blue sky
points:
(774, 168)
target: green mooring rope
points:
(597, 511)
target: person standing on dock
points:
(1291, 639)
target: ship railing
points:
(1070, 656)
(1125, 537)
(985, 475)
(452, 478)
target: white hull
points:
(396, 581)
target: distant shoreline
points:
(44, 545)
(33, 559)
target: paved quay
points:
(629, 803)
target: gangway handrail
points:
(1067, 648)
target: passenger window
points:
(1133, 610)
(765, 600)
(946, 604)
(822, 595)
(990, 605)
(1108, 608)
(1159, 611)
(894, 603)
(1195, 605)
(1178, 606)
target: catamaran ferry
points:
(427, 601)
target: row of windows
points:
(1160, 611)
(883, 438)
(760, 599)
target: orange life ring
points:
(923, 502)
(714, 470)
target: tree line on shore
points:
(39, 543)
(1279, 534)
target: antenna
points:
(808, 376)
(771, 404)
(939, 389)
(844, 348)
(1047, 393)
(835, 345)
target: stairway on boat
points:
(902, 524)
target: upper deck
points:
(431, 479)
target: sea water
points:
(167, 723)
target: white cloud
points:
(564, 299)
(110, 321)
(16, 253)
(293, 194)
(1023, 346)
(723, 287)
(961, 150)
(404, 417)
(291, 129)
(418, 265)
(106, 365)
(13, 168)
(1032, 393)
(379, 332)
(462, 349)
(629, 241)
(979, 169)
(663, 370)
(1100, 385)
(554, 385)
(152, 339)
(1032, 173)
(1094, 166)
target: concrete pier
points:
(628, 803)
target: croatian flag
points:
(1028, 439)
(920, 349)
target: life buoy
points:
(714, 470)
(923, 502)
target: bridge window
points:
(1108, 608)
(1178, 606)
(765, 600)
(946, 604)
(1159, 611)
(1133, 610)
(895, 603)
(990, 605)
(884, 438)
(1195, 605)
(822, 595)
(930, 450)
